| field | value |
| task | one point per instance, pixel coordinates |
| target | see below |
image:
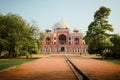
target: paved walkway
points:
(52, 68)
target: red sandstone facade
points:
(62, 41)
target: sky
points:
(77, 13)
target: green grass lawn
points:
(6, 63)
(116, 61)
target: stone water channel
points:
(77, 72)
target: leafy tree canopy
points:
(17, 35)
(97, 37)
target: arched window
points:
(69, 38)
(47, 40)
(62, 39)
(76, 41)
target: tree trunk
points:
(11, 50)
(0, 53)
(103, 57)
(27, 57)
(31, 55)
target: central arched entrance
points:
(62, 49)
(62, 39)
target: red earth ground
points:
(56, 68)
(97, 69)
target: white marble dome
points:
(61, 25)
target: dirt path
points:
(96, 69)
(55, 68)
(52, 68)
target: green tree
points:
(14, 28)
(97, 39)
(33, 46)
(3, 45)
(41, 37)
(115, 39)
(18, 37)
(3, 42)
